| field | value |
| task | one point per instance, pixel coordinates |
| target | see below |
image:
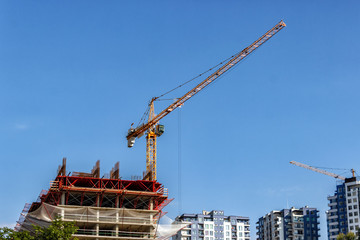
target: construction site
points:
(139, 120)
(109, 207)
(104, 207)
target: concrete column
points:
(98, 200)
(97, 229)
(62, 214)
(116, 230)
(151, 208)
(117, 201)
(62, 200)
(151, 204)
(117, 217)
(97, 215)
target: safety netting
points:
(118, 223)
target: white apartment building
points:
(213, 225)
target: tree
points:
(56, 230)
(348, 236)
(10, 234)
(5, 233)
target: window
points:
(206, 226)
(227, 227)
(240, 228)
(355, 206)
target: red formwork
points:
(102, 192)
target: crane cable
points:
(143, 118)
(330, 168)
(179, 163)
(201, 74)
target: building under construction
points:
(105, 207)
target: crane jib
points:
(138, 132)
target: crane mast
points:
(151, 126)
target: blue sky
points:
(75, 74)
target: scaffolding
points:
(102, 208)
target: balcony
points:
(186, 233)
(106, 234)
(333, 217)
(107, 219)
(332, 197)
(333, 229)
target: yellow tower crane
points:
(153, 129)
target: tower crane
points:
(153, 129)
(321, 170)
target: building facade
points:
(289, 224)
(343, 215)
(213, 225)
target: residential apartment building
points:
(289, 224)
(343, 215)
(213, 225)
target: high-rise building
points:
(213, 225)
(297, 224)
(343, 215)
